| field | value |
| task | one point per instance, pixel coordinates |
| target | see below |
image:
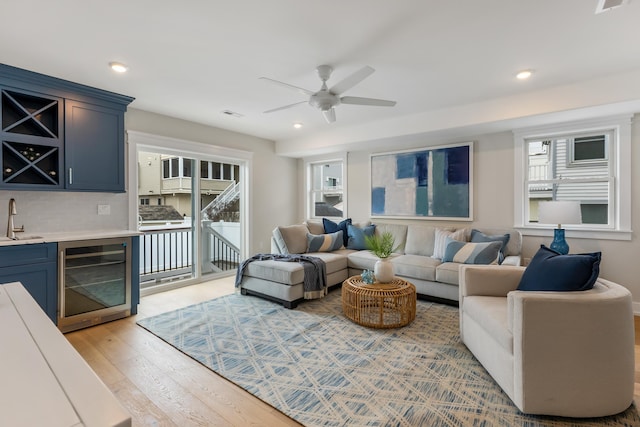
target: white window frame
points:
(140, 141)
(310, 192)
(620, 196)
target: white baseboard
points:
(636, 308)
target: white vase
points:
(383, 271)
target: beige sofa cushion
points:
(363, 260)
(399, 232)
(315, 226)
(420, 240)
(448, 272)
(491, 313)
(415, 266)
(291, 239)
(333, 261)
(288, 273)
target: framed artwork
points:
(428, 183)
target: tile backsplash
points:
(60, 211)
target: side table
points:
(379, 305)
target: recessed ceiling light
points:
(297, 125)
(118, 67)
(524, 74)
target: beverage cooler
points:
(94, 280)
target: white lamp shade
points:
(559, 212)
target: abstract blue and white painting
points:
(429, 183)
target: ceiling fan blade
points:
(288, 86)
(329, 115)
(285, 107)
(355, 100)
(351, 80)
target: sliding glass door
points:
(219, 216)
(189, 211)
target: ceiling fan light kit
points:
(326, 99)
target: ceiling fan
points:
(327, 98)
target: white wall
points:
(493, 201)
(274, 188)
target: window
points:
(205, 171)
(554, 174)
(226, 171)
(166, 168)
(215, 170)
(186, 167)
(144, 201)
(587, 162)
(586, 150)
(326, 188)
(170, 167)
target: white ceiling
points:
(450, 65)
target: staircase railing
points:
(229, 195)
(220, 253)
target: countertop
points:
(45, 381)
(31, 238)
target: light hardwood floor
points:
(160, 386)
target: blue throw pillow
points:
(332, 227)
(551, 271)
(479, 236)
(324, 242)
(356, 236)
(471, 253)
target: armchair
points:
(555, 353)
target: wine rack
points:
(29, 164)
(31, 139)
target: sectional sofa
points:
(434, 276)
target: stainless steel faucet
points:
(11, 229)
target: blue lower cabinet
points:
(35, 267)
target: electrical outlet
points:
(104, 209)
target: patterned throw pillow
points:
(332, 227)
(324, 242)
(478, 236)
(471, 253)
(440, 241)
(552, 271)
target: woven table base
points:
(380, 305)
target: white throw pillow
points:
(440, 241)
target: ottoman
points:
(282, 282)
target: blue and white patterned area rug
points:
(321, 369)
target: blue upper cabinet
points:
(94, 147)
(59, 135)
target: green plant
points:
(380, 244)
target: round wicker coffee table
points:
(380, 305)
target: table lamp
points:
(559, 212)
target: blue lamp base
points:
(559, 244)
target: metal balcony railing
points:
(166, 254)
